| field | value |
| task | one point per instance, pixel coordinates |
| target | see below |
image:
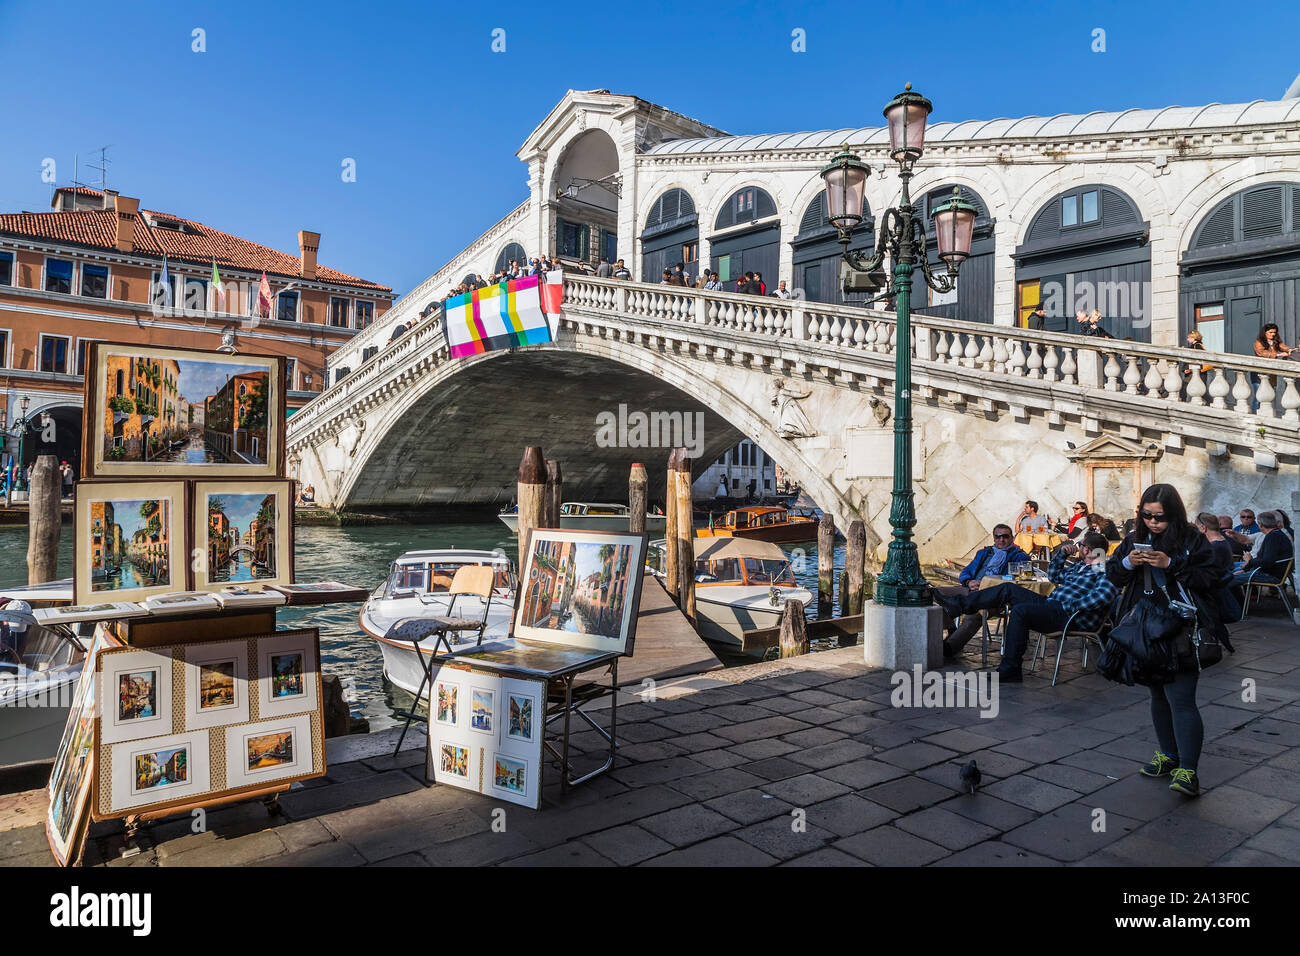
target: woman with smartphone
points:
(1163, 539)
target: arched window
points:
(671, 235)
(1260, 212)
(745, 205)
(671, 206)
(513, 252)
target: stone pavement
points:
(716, 770)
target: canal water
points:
(361, 556)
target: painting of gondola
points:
(184, 413)
(270, 750)
(137, 695)
(581, 588)
(242, 533)
(217, 685)
(454, 760)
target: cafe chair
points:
(1279, 586)
(470, 579)
(1065, 633)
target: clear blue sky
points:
(250, 135)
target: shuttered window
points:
(745, 205)
(1261, 213)
(674, 204)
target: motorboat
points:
(39, 670)
(762, 523)
(416, 587)
(585, 516)
(740, 585)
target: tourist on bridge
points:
(66, 469)
(1196, 341)
(993, 560)
(1176, 552)
(1091, 324)
(621, 271)
(1082, 596)
(604, 270)
(1036, 317)
(782, 292)
(1268, 344)
(713, 284)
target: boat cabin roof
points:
(758, 509)
(713, 549)
(452, 556)
(591, 508)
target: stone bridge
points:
(1000, 414)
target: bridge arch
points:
(583, 192)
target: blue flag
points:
(166, 280)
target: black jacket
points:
(1275, 550)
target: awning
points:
(120, 417)
(714, 549)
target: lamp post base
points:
(899, 638)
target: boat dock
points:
(666, 645)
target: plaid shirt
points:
(1081, 587)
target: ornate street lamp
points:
(23, 424)
(902, 238)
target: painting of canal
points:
(510, 774)
(184, 413)
(448, 702)
(578, 586)
(242, 541)
(521, 717)
(137, 695)
(130, 543)
(270, 750)
(217, 685)
(480, 710)
(157, 769)
(286, 675)
(454, 760)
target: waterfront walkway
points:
(713, 770)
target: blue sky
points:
(250, 136)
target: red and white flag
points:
(264, 298)
(553, 292)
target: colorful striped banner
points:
(503, 316)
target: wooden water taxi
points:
(762, 523)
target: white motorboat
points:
(740, 585)
(416, 587)
(39, 670)
(585, 516)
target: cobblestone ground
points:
(714, 772)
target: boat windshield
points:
(720, 571)
(759, 571)
(30, 648)
(436, 577)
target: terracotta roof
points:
(200, 244)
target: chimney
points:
(110, 197)
(126, 215)
(308, 243)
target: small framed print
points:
(482, 710)
(130, 541)
(135, 694)
(243, 533)
(182, 413)
(268, 750)
(512, 778)
(454, 761)
(447, 702)
(521, 711)
(216, 684)
(288, 673)
(159, 770)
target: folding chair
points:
(1279, 586)
(475, 579)
(1062, 635)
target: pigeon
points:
(970, 776)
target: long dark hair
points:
(1262, 338)
(1176, 531)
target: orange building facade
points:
(90, 270)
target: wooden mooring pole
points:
(44, 520)
(826, 567)
(685, 536)
(670, 526)
(532, 496)
(794, 632)
(637, 498)
(554, 493)
(855, 568)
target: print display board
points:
(187, 723)
(485, 733)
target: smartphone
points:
(1142, 547)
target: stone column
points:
(898, 638)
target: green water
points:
(361, 556)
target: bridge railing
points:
(1267, 388)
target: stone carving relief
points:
(880, 411)
(348, 437)
(791, 422)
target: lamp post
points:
(23, 424)
(902, 238)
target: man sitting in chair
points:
(994, 560)
(1081, 587)
(1272, 551)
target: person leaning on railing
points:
(1196, 341)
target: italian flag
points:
(216, 284)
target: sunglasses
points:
(996, 536)
(1148, 516)
(1247, 516)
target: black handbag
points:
(1148, 634)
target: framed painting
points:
(216, 684)
(158, 770)
(182, 413)
(580, 589)
(268, 750)
(130, 541)
(135, 695)
(288, 673)
(242, 533)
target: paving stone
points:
(991, 763)
(1234, 807)
(813, 737)
(805, 790)
(818, 698)
(713, 783)
(691, 723)
(576, 853)
(738, 713)
(688, 824)
(773, 726)
(915, 756)
(335, 854)
(776, 768)
(777, 837)
(1202, 839)
(407, 758)
(1282, 784)
(648, 752)
(302, 834)
(826, 857)
(379, 843)
(659, 771)
(818, 717)
(253, 848)
(781, 705)
(907, 794)
(1245, 856)
(857, 725)
(694, 743)
(719, 852)
(857, 707)
(1068, 833)
(890, 846)
(1279, 841)
(718, 759)
(1073, 778)
(848, 814)
(1028, 792)
(945, 828)
(1138, 850)
(406, 859)
(553, 826)
(989, 810)
(893, 735)
(1043, 748)
(995, 853)
(762, 749)
(480, 849)
(1137, 747)
(749, 806)
(645, 731)
(833, 754)
(863, 773)
(1107, 765)
(306, 803)
(627, 845)
(961, 741)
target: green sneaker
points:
(1160, 765)
(1185, 782)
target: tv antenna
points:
(103, 166)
